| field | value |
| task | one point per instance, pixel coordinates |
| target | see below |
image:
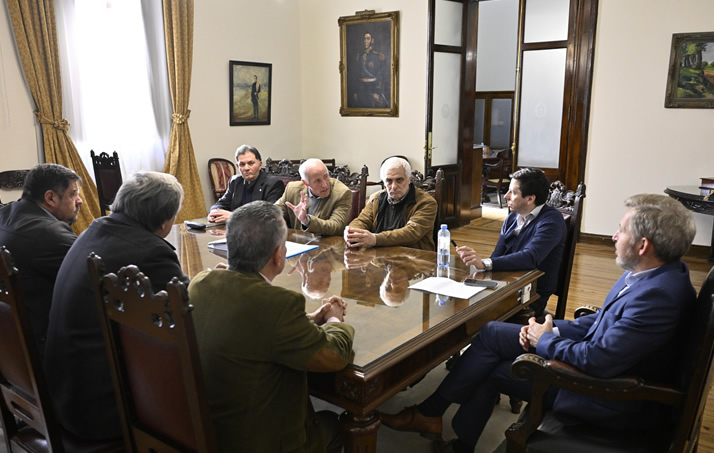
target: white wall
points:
(19, 144)
(361, 140)
(635, 144)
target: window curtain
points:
(33, 23)
(180, 159)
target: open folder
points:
(447, 287)
(294, 248)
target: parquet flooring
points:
(594, 272)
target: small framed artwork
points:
(250, 93)
(369, 64)
(690, 83)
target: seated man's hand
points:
(523, 338)
(318, 316)
(355, 259)
(300, 209)
(357, 237)
(337, 308)
(470, 257)
(219, 216)
(535, 330)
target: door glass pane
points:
(500, 123)
(447, 26)
(497, 45)
(445, 114)
(546, 20)
(479, 117)
(541, 108)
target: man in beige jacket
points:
(317, 204)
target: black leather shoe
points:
(410, 419)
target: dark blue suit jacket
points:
(267, 187)
(539, 245)
(633, 333)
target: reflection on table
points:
(401, 334)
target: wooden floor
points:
(594, 273)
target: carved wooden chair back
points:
(496, 175)
(570, 204)
(12, 180)
(107, 174)
(154, 360)
(28, 419)
(220, 172)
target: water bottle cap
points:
(443, 226)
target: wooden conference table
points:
(400, 334)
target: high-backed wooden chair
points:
(284, 169)
(539, 431)
(154, 360)
(496, 173)
(357, 183)
(220, 172)
(12, 180)
(107, 174)
(26, 412)
(570, 204)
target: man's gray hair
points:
(149, 197)
(253, 232)
(395, 162)
(663, 221)
(242, 149)
(307, 164)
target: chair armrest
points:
(562, 375)
(586, 310)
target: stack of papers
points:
(293, 247)
(447, 287)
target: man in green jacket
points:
(257, 343)
(401, 214)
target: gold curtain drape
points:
(34, 26)
(180, 159)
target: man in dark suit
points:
(76, 363)
(257, 343)
(533, 235)
(636, 331)
(36, 230)
(250, 185)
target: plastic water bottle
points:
(443, 247)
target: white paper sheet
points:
(293, 247)
(447, 287)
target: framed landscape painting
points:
(369, 64)
(250, 93)
(690, 82)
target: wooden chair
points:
(26, 412)
(539, 431)
(12, 180)
(329, 163)
(570, 204)
(357, 183)
(433, 185)
(284, 169)
(154, 360)
(107, 174)
(220, 171)
(496, 173)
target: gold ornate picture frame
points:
(369, 64)
(690, 82)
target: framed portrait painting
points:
(369, 64)
(250, 93)
(690, 82)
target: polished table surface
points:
(401, 334)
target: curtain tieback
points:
(180, 118)
(57, 124)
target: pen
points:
(454, 243)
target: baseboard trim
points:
(695, 251)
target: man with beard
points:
(634, 333)
(36, 230)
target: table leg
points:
(360, 432)
(711, 249)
